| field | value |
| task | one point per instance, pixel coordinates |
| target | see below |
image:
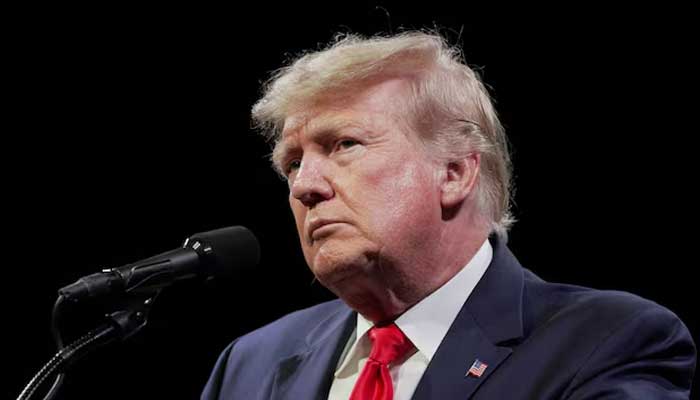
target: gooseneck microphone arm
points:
(120, 325)
(217, 253)
(71, 353)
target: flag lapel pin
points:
(477, 369)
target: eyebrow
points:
(330, 126)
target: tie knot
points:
(388, 343)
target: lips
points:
(318, 223)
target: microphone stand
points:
(120, 325)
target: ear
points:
(459, 180)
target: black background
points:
(127, 130)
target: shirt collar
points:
(427, 322)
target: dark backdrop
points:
(128, 130)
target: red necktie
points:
(374, 382)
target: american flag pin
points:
(477, 369)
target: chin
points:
(334, 265)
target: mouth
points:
(320, 228)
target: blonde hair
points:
(449, 107)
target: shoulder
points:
(284, 337)
(292, 330)
(614, 341)
(545, 303)
(254, 356)
(289, 334)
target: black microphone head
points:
(228, 250)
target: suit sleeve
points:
(650, 355)
(212, 389)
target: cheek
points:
(405, 201)
(306, 248)
(299, 213)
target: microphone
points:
(217, 253)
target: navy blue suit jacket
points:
(540, 341)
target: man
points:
(399, 181)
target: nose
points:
(310, 184)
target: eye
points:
(292, 166)
(346, 143)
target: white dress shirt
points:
(425, 324)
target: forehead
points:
(369, 106)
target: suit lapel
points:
(308, 374)
(446, 376)
(491, 317)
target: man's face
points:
(362, 188)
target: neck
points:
(390, 289)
